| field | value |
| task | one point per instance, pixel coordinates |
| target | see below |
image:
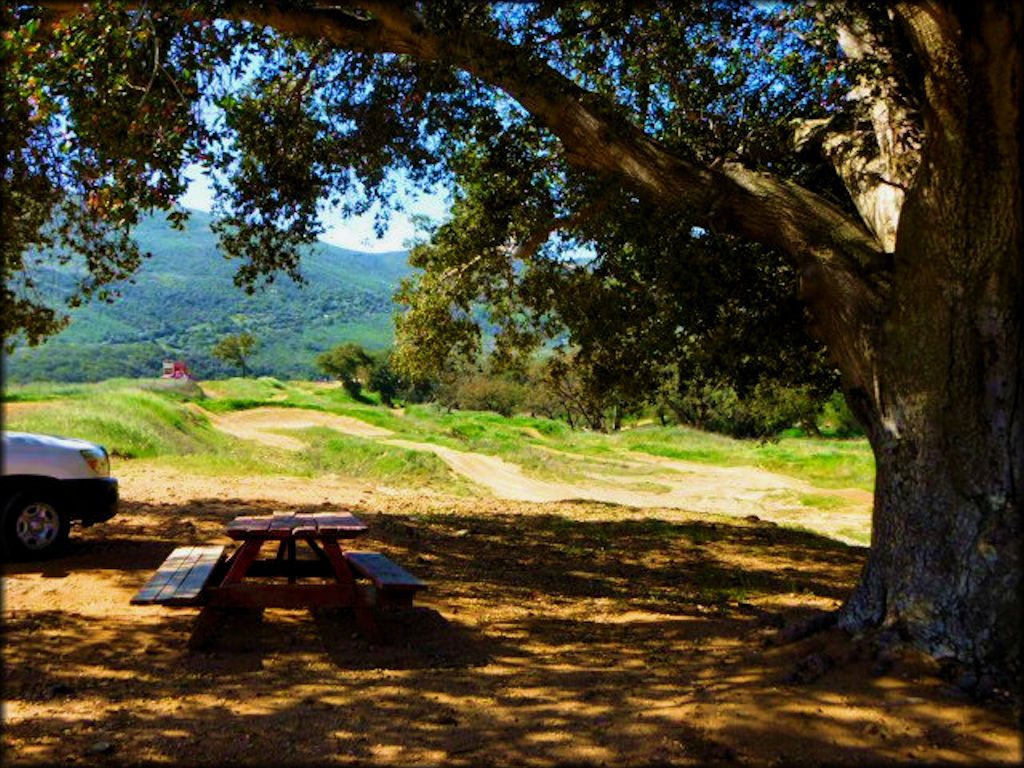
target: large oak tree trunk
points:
(944, 563)
(945, 413)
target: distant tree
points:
(235, 349)
(384, 380)
(579, 394)
(349, 363)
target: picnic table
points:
(335, 577)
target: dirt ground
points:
(735, 491)
(552, 632)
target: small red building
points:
(176, 369)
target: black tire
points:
(35, 525)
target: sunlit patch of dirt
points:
(10, 409)
(259, 424)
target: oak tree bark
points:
(945, 413)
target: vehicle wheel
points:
(34, 526)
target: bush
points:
(837, 420)
(764, 412)
(483, 392)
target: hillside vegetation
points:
(184, 300)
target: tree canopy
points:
(872, 152)
(349, 363)
(236, 348)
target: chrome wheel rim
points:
(38, 525)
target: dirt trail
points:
(258, 424)
(734, 491)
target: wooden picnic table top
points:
(290, 525)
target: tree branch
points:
(726, 197)
(528, 248)
(874, 146)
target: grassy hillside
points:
(158, 420)
(183, 300)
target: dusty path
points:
(554, 634)
(258, 424)
(734, 491)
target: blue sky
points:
(355, 233)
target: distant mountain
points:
(183, 300)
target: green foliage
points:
(663, 313)
(236, 349)
(470, 386)
(766, 410)
(101, 117)
(837, 420)
(349, 363)
(110, 102)
(183, 302)
(384, 380)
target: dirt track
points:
(733, 491)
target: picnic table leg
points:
(238, 564)
(205, 628)
(365, 619)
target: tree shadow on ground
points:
(541, 640)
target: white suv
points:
(47, 483)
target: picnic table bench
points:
(393, 585)
(334, 578)
(181, 578)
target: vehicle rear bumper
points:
(92, 501)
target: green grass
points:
(129, 421)
(856, 534)
(822, 502)
(824, 462)
(145, 419)
(43, 391)
(327, 451)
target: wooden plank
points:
(335, 519)
(202, 569)
(164, 574)
(178, 576)
(385, 573)
(181, 577)
(338, 526)
(281, 596)
(245, 527)
(281, 527)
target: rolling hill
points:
(183, 300)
